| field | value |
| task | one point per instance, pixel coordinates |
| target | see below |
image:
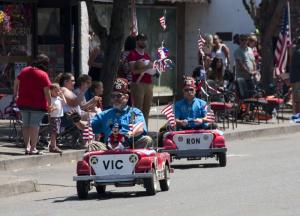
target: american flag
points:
(201, 43)
(136, 127)
(283, 42)
(210, 116)
(87, 133)
(168, 112)
(162, 21)
(134, 26)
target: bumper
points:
(113, 178)
(194, 152)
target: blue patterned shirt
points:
(190, 111)
(101, 123)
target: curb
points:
(16, 185)
(251, 134)
(40, 160)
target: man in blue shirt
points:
(131, 119)
(191, 112)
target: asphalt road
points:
(262, 177)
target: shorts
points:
(32, 118)
(55, 125)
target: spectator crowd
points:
(79, 103)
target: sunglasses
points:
(117, 96)
(188, 90)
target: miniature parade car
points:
(121, 168)
(195, 144)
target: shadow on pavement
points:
(106, 196)
(12, 153)
(190, 166)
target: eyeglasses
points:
(116, 96)
(188, 90)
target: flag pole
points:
(132, 140)
(290, 34)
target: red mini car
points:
(123, 168)
(195, 144)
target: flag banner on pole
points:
(162, 21)
(283, 42)
(134, 26)
(87, 133)
(134, 128)
(168, 112)
(210, 116)
(201, 43)
(162, 63)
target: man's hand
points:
(198, 121)
(183, 122)
(129, 134)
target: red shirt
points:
(31, 89)
(135, 56)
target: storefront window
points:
(55, 52)
(51, 41)
(15, 41)
(49, 21)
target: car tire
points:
(165, 183)
(222, 159)
(83, 188)
(151, 183)
(101, 189)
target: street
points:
(262, 177)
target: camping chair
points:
(227, 109)
(13, 113)
(251, 102)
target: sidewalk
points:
(12, 158)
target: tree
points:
(111, 43)
(266, 17)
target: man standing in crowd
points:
(32, 94)
(245, 61)
(124, 116)
(295, 77)
(141, 87)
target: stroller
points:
(13, 113)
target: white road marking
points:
(238, 155)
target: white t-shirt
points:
(220, 54)
(56, 103)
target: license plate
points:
(119, 164)
(193, 141)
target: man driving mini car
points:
(130, 119)
(191, 112)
